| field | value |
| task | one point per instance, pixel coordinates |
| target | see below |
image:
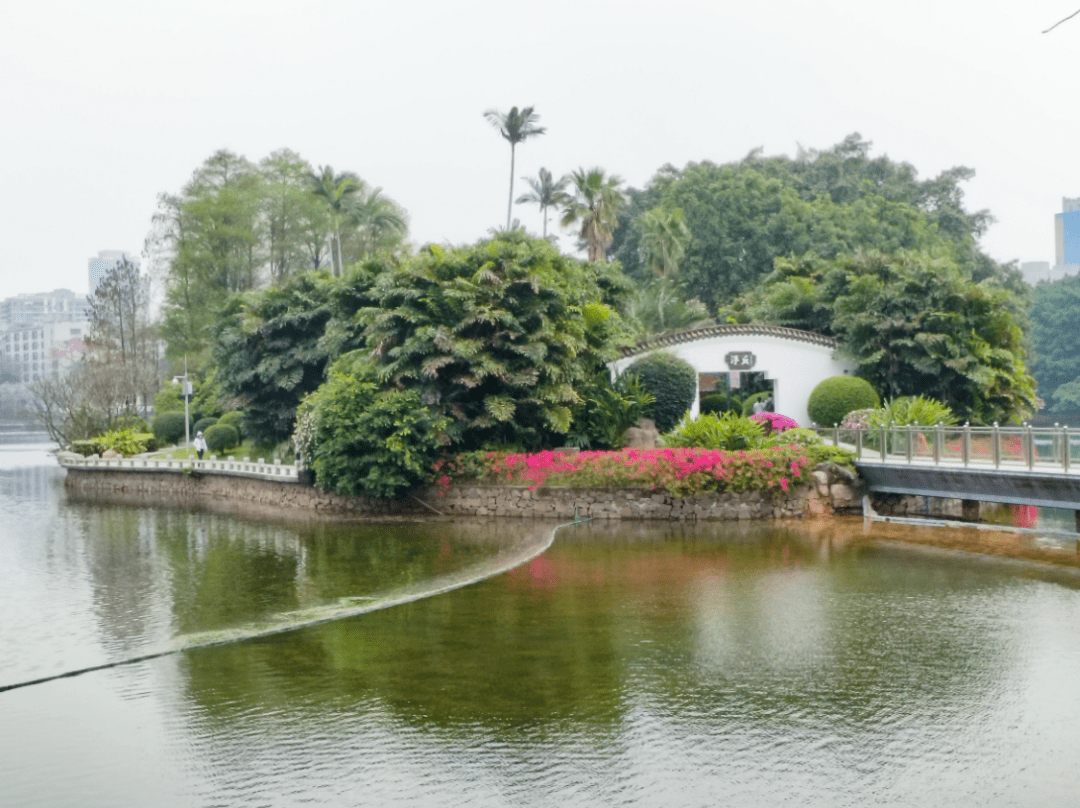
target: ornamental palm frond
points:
(516, 126)
(337, 191)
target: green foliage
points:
(800, 436)
(202, 424)
(914, 411)
(220, 437)
(673, 383)
(131, 422)
(835, 397)
(749, 402)
(235, 419)
(367, 438)
(745, 215)
(610, 408)
(1055, 340)
(824, 453)
(718, 403)
(168, 399)
(728, 431)
(127, 442)
(913, 323)
(168, 427)
(1066, 398)
(269, 351)
(496, 336)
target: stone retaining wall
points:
(830, 490)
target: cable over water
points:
(344, 607)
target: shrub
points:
(168, 427)
(220, 437)
(672, 381)
(368, 439)
(836, 396)
(235, 419)
(797, 436)
(127, 442)
(750, 401)
(202, 424)
(610, 409)
(132, 422)
(912, 410)
(728, 431)
(774, 422)
(718, 402)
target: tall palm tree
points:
(515, 126)
(595, 207)
(337, 191)
(546, 192)
(664, 239)
(378, 221)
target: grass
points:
(246, 449)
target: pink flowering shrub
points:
(681, 472)
(775, 420)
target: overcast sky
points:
(104, 104)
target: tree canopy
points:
(914, 323)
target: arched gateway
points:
(793, 361)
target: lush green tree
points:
(547, 192)
(495, 336)
(1055, 339)
(594, 209)
(914, 323)
(295, 220)
(269, 351)
(515, 126)
(375, 225)
(745, 214)
(336, 191)
(367, 439)
(664, 239)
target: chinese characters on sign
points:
(740, 360)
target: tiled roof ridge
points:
(731, 330)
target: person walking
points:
(200, 444)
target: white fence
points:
(259, 469)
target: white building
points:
(794, 361)
(37, 308)
(104, 262)
(45, 349)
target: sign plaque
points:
(740, 360)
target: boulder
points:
(643, 436)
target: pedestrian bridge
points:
(1019, 465)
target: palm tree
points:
(515, 126)
(546, 192)
(337, 191)
(595, 206)
(379, 222)
(664, 239)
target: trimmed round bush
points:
(168, 427)
(235, 419)
(836, 396)
(202, 424)
(220, 437)
(671, 381)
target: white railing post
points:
(937, 443)
(1066, 449)
(965, 444)
(1030, 443)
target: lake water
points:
(626, 665)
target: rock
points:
(643, 436)
(110, 454)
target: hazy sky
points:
(104, 104)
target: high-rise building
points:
(1066, 239)
(100, 265)
(61, 305)
(43, 349)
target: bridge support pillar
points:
(969, 510)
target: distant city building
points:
(44, 349)
(104, 262)
(61, 305)
(1066, 240)
(1035, 271)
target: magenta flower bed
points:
(680, 472)
(779, 422)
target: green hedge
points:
(671, 381)
(835, 397)
(168, 427)
(220, 437)
(235, 419)
(203, 424)
(127, 442)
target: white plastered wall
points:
(795, 367)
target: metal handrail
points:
(1017, 448)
